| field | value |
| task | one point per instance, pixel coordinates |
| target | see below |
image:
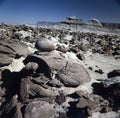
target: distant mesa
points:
(73, 21)
(72, 18)
(76, 21)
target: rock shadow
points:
(11, 83)
(74, 112)
(110, 93)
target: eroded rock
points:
(73, 75)
(54, 60)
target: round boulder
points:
(73, 75)
(44, 45)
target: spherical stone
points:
(44, 45)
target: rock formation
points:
(58, 72)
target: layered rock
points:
(72, 20)
(10, 50)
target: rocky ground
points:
(58, 73)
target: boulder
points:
(73, 74)
(44, 45)
(39, 109)
(53, 59)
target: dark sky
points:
(31, 11)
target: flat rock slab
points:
(39, 109)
